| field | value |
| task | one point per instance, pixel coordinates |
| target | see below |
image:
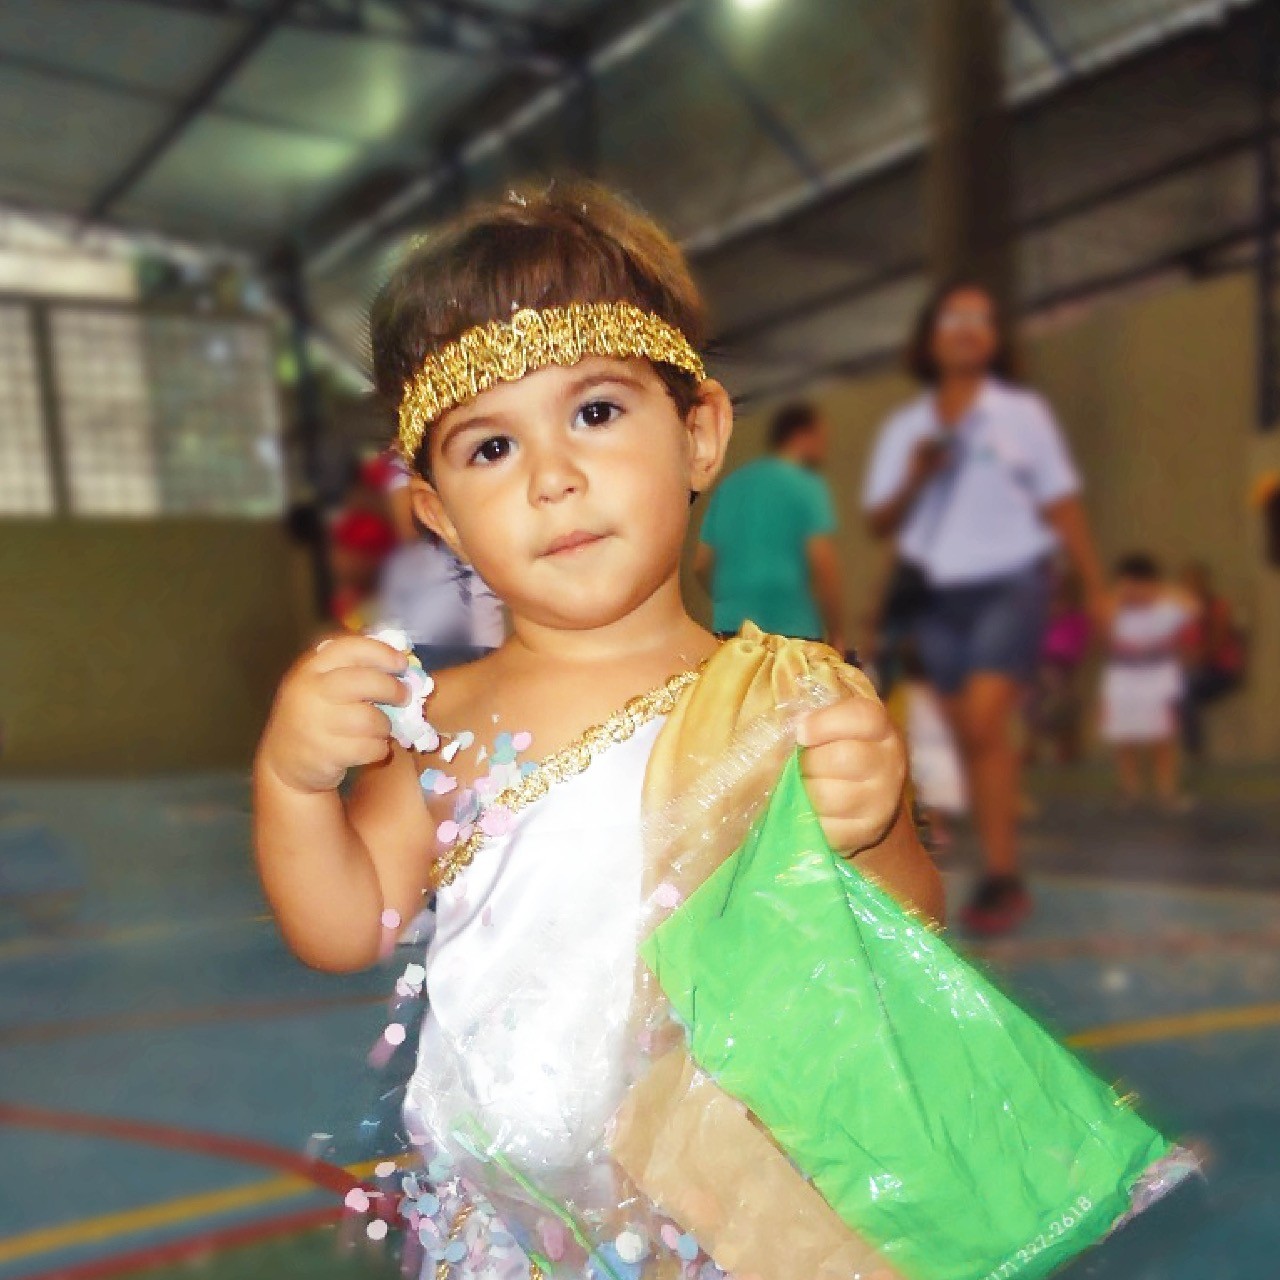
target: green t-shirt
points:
(759, 524)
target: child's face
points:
(1137, 591)
(569, 489)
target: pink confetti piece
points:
(522, 741)
(466, 831)
(390, 918)
(447, 832)
(670, 1236)
(496, 821)
(444, 784)
(395, 1035)
(357, 1200)
(555, 1241)
(385, 1169)
(376, 1230)
(380, 1054)
(667, 896)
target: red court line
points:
(113, 1024)
(191, 1247)
(330, 1177)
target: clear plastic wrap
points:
(745, 1057)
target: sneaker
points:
(999, 904)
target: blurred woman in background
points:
(974, 483)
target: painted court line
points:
(132, 935)
(192, 1248)
(167, 1213)
(111, 1024)
(303, 1173)
(1184, 1026)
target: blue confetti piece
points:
(502, 1239)
(605, 1264)
(455, 1251)
(428, 1205)
(440, 1169)
(687, 1247)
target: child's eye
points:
(597, 413)
(492, 450)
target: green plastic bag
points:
(939, 1120)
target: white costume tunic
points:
(1143, 681)
(531, 973)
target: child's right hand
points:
(323, 721)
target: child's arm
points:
(329, 870)
(855, 768)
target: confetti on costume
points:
(676, 1037)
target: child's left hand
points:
(854, 766)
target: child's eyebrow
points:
(598, 376)
(483, 422)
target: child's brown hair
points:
(569, 242)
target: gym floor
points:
(165, 1064)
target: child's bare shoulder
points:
(465, 695)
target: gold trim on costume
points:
(564, 764)
(531, 340)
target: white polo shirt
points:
(979, 517)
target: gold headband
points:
(531, 340)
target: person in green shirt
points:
(766, 551)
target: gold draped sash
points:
(694, 1151)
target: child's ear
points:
(430, 512)
(710, 424)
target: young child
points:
(542, 353)
(1054, 710)
(1142, 684)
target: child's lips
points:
(572, 542)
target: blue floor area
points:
(165, 997)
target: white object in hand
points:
(409, 724)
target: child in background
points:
(1055, 711)
(360, 542)
(543, 355)
(1143, 681)
(439, 601)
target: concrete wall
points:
(131, 646)
(1156, 395)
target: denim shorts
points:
(994, 626)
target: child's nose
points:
(554, 476)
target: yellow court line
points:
(1184, 1026)
(92, 1230)
(167, 1213)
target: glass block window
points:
(215, 416)
(26, 484)
(167, 414)
(106, 412)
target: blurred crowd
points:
(996, 618)
(387, 569)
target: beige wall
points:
(142, 646)
(1156, 395)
